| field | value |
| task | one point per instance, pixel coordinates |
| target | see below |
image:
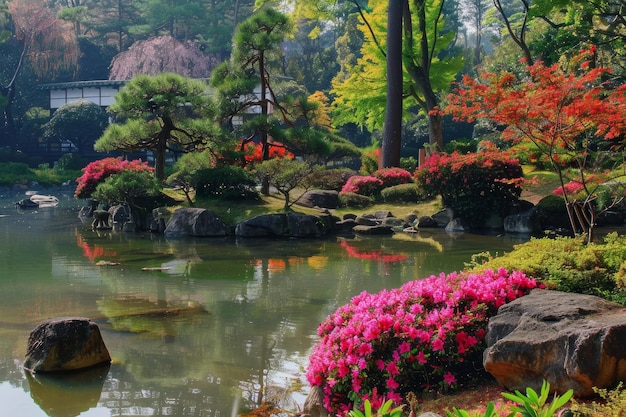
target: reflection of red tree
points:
(273, 265)
(372, 255)
(92, 252)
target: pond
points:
(195, 327)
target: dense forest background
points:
(336, 48)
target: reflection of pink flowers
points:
(373, 255)
(427, 334)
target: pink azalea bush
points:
(393, 176)
(571, 188)
(98, 171)
(364, 185)
(428, 334)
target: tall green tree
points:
(161, 113)
(392, 128)
(428, 67)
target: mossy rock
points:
(355, 200)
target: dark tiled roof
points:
(83, 84)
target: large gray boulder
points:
(320, 198)
(65, 344)
(195, 222)
(443, 217)
(289, 224)
(573, 341)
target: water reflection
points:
(67, 394)
(195, 327)
(378, 255)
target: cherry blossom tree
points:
(162, 54)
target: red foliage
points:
(550, 106)
(96, 172)
(254, 152)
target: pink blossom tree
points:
(162, 54)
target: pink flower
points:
(449, 378)
(437, 344)
(392, 368)
(365, 349)
(368, 342)
(404, 347)
(392, 384)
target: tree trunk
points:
(392, 128)
(419, 71)
(265, 183)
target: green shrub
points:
(613, 404)
(13, 172)
(127, 186)
(403, 193)
(355, 200)
(228, 182)
(568, 264)
(461, 146)
(409, 163)
(329, 179)
(70, 161)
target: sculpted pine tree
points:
(161, 113)
(257, 41)
(162, 54)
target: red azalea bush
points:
(427, 334)
(364, 185)
(473, 185)
(96, 172)
(393, 176)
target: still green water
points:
(214, 328)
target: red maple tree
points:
(562, 111)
